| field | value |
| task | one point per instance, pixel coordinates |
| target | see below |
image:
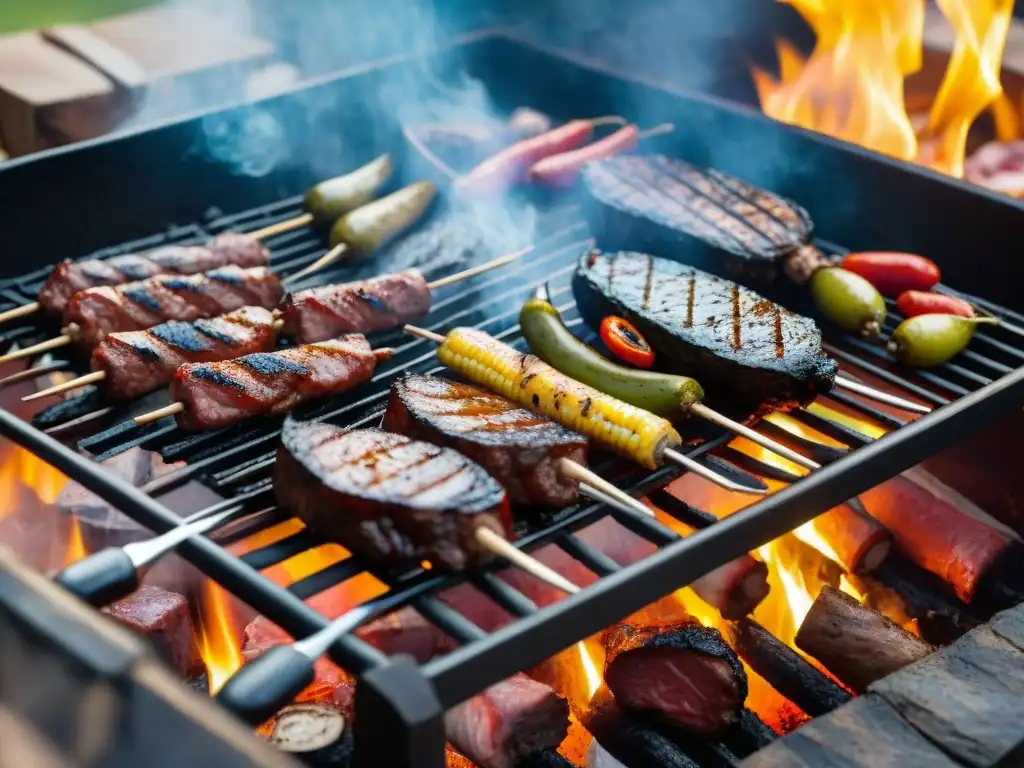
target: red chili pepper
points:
(510, 166)
(913, 303)
(625, 342)
(562, 170)
(893, 273)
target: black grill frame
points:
(484, 659)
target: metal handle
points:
(262, 687)
(101, 578)
(144, 553)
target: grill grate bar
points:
(884, 374)
(932, 378)
(512, 600)
(594, 560)
(883, 418)
(279, 551)
(829, 428)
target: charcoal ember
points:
(630, 740)
(163, 619)
(76, 403)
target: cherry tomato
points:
(893, 273)
(914, 303)
(625, 342)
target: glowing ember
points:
(76, 545)
(219, 639)
(851, 87)
(593, 677)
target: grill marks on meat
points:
(681, 672)
(224, 250)
(386, 497)
(137, 362)
(377, 304)
(660, 204)
(136, 306)
(270, 383)
(507, 722)
(743, 347)
(518, 448)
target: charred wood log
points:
(316, 734)
(856, 644)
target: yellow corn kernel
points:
(527, 380)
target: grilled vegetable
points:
(849, 301)
(625, 342)
(552, 342)
(723, 224)
(929, 340)
(335, 197)
(893, 273)
(369, 227)
(749, 352)
(527, 380)
(914, 303)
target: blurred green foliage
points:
(17, 15)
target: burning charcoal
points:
(629, 740)
(748, 734)
(856, 644)
(316, 734)
(546, 759)
(681, 672)
(162, 618)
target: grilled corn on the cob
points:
(529, 381)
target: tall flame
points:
(76, 544)
(593, 677)
(852, 86)
(20, 468)
(219, 639)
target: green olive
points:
(848, 300)
(335, 197)
(368, 228)
(926, 341)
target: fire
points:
(23, 469)
(76, 545)
(590, 672)
(219, 639)
(852, 86)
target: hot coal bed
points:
(195, 171)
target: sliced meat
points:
(138, 362)
(136, 306)
(507, 722)
(270, 383)
(681, 672)
(162, 618)
(749, 353)
(224, 250)
(389, 498)
(377, 304)
(519, 449)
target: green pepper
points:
(335, 197)
(550, 340)
(848, 300)
(368, 228)
(926, 341)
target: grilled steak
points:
(518, 448)
(136, 306)
(137, 362)
(386, 497)
(365, 306)
(744, 349)
(706, 218)
(507, 722)
(681, 672)
(224, 250)
(163, 619)
(270, 383)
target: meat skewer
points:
(763, 356)
(214, 395)
(649, 440)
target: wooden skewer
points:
(282, 226)
(328, 258)
(81, 381)
(882, 397)
(702, 411)
(42, 346)
(502, 547)
(479, 269)
(13, 314)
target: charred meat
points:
(745, 350)
(377, 304)
(271, 383)
(163, 619)
(518, 448)
(137, 306)
(386, 497)
(224, 250)
(137, 362)
(704, 217)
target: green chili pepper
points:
(550, 340)
(926, 341)
(335, 197)
(368, 228)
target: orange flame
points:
(23, 469)
(219, 638)
(76, 545)
(852, 86)
(590, 671)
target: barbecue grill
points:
(137, 190)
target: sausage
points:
(563, 170)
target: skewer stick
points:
(328, 258)
(159, 413)
(502, 547)
(465, 274)
(81, 381)
(878, 395)
(42, 346)
(14, 314)
(701, 410)
(282, 226)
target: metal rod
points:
(143, 553)
(81, 381)
(282, 226)
(697, 468)
(13, 314)
(882, 397)
(702, 411)
(479, 269)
